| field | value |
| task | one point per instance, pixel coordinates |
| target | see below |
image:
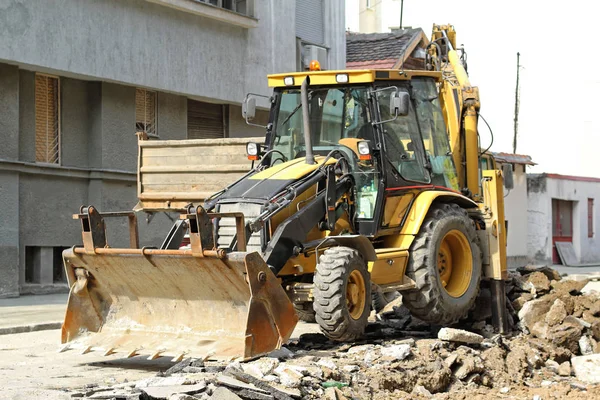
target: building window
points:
(44, 265)
(232, 5)
(590, 218)
(206, 120)
(145, 112)
(47, 119)
(310, 23)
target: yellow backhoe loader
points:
(365, 178)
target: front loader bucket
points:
(171, 303)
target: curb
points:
(30, 328)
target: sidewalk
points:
(32, 313)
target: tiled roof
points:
(368, 47)
(379, 64)
(513, 158)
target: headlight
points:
(288, 80)
(364, 150)
(253, 150)
(341, 78)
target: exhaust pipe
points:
(310, 158)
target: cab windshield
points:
(335, 114)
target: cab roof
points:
(354, 76)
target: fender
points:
(419, 209)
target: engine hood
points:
(267, 183)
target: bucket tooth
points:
(86, 349)
(178, 358)
(155, 355)
(132, 353)
(64, 348)
(109, 352)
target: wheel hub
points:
(355, 294)
(455, 263)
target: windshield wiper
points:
(292, 114)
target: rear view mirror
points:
(399, 103)
(249, 108)
(507, 175)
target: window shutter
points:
(309, 21)
(145, 111)
(47, 138)
(205, 120)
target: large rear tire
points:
(445, 263)
(342, 294)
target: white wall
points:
(515, 206)
(541, 191)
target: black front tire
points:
(341, 313)
(430, 301)
(305, 311)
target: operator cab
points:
(407, 149)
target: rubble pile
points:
(552, 353)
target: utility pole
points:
(516, 106)
(401, 10)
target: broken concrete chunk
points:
(587, 368)
(159, 381)
(459, 335)
(351, 368)
(540, 282)
(361, 348)
(398, 352)
(550, 273)
(534, 311)
(282, 353)
(557, 313)
(585, 345)
(327, 363)
(468, 365)
(450, 360)
(420, 390)
(261, 367)
(222, 393)
(236, 383)
(564, 369)
(164, 392)
(289, 377)
(592, 288)
(521, 300)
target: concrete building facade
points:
(564, 209)
(79, 79)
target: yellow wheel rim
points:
(455, 263)
(355, 294)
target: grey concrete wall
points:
(238, 126)
(75, 124)
(144, 44)
(335, 32)
(9, 116)
(172, 116)
(26, 116)
(47, 205)
(94, 149)
(119, 142)
(9, 234)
